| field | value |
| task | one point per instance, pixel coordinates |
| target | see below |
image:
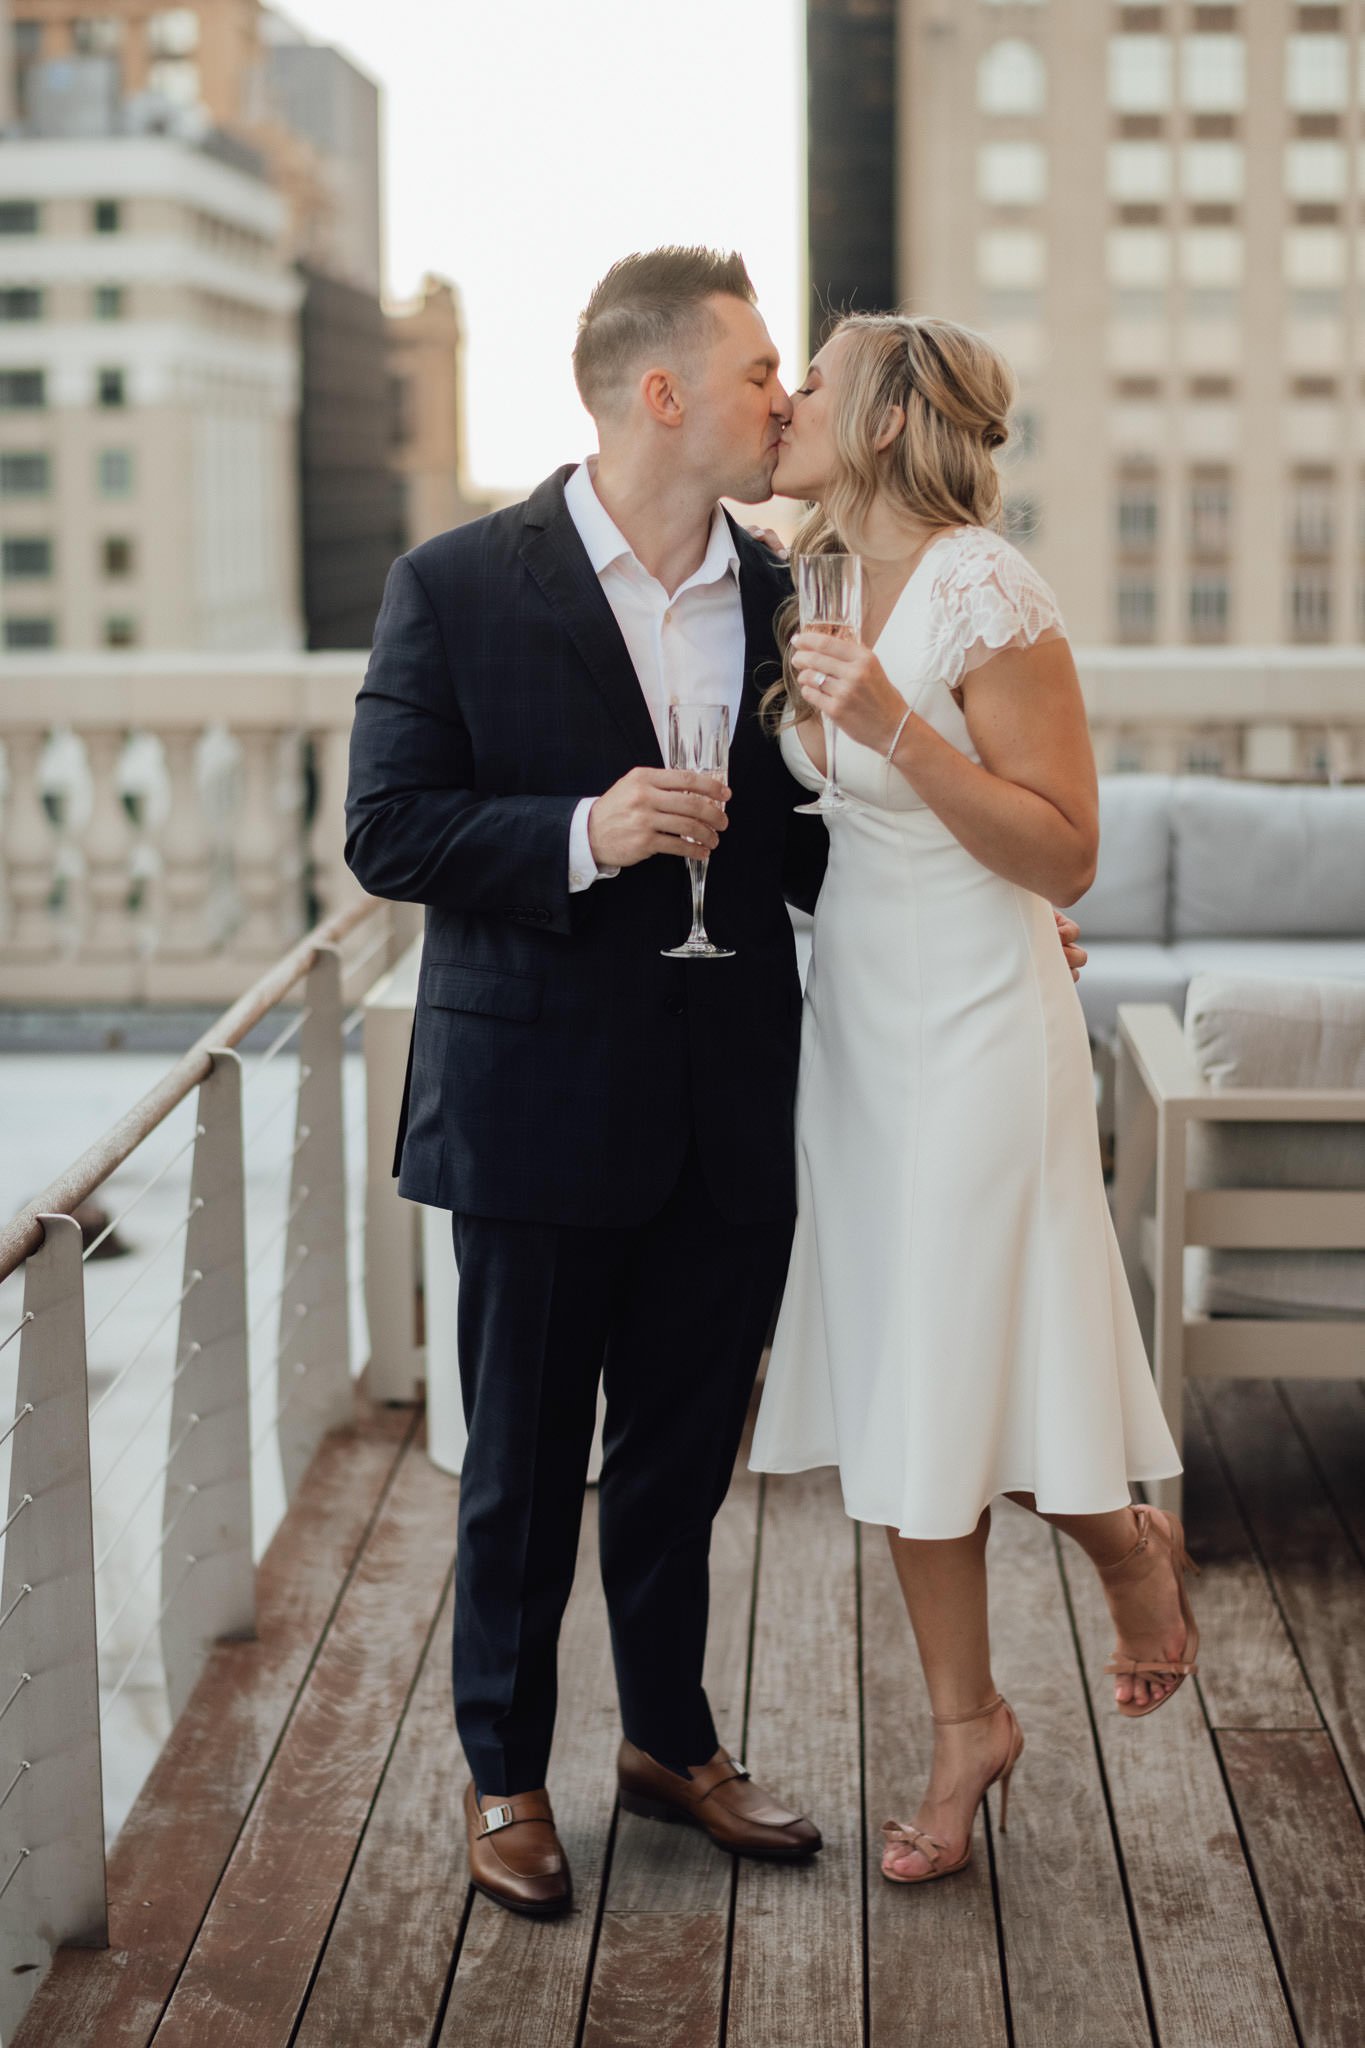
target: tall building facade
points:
(236, 74)
(350, 497)
(148, 396)
(850, 157)
(1156, 211)
(425, 356)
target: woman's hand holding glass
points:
(845, 682)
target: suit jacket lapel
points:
(761, 666)
(556, 558)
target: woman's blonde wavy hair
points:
(956, 392)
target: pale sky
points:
(528, 145)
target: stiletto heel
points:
(1174, 1670)
(903, 1834)
(1005, 1777)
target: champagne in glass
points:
(829, 597)
(699, 740)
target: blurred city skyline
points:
(525, 149)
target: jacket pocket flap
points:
(484, 991)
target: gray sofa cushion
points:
(1257, 1031)
(1128, 897)
(1125, 971)
(1288, 959)
(1250, 860)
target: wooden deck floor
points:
(294, 1871)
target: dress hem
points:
(883, 1521)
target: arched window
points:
(1011, 79)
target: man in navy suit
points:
(611, 1129)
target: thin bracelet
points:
(896, 735)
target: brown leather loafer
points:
(515, 1857)
(719, 1797)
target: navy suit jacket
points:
(560, 1067)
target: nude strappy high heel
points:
(1177, 1670)
(903, 1835)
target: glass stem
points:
(831, 729)
(697, 870)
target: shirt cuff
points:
(583, 869)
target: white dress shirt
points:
(687, 648)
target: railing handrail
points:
(21, 1237)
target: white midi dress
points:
(956, 1322)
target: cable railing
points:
(258, 1352)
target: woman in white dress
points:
(956, 1323)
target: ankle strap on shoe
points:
(977, 1713)
(1142, 1515)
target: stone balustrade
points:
(169, 823)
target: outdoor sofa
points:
(1200, 875)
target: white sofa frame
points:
(1157, 1214)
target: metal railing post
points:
(206, 1515)
(313, 1376)
(52, 1877)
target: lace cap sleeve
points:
(987, 596)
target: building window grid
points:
(23, 390)
(120, 630)
(25, 473)
(93, 37)
(1312, 522)
(1213, 73)
(1011, 78)
(114, 472)
(1317, 68)
(1136, 610)
(111, 389)
(24, 556)
(1310, 604)
(19, 217)
(1208, 606)
(25, 633)
(107, 302)
(1210, 516)
(116, 555)
(21, 302)
(1138, 515)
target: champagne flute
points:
(699, 740)
(829, 597)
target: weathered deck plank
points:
(245, 1983)
(1250, 1673)
(659, 1979)
(1209, 1965)
(1331, 1414)
(797, 1961)
(176, 1842)
(1313, 1564)
(347, 1839)
(933, 1951)
(523, 1980)
(1069, 1957)
(1308, 1852)
(409, 1886)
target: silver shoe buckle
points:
(741, 1770)
(496, 1817)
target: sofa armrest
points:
(1152, 1034)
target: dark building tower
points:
(851, 119)
(351, 499)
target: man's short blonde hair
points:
(650, 306)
